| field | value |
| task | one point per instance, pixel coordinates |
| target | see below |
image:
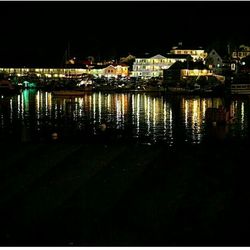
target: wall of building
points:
(196, 72)
(196, 54)
(240, 54)
(66, 72)
(152, 67)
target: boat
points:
(6, 87)
(219, 115)
(81, 92)
(239, 89)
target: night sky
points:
(37, 33)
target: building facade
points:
(180, 70)
(196, 54)
(214, 61)
(154, 66)
(115, 71)
(98, 71)
(242, 52)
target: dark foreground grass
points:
(66, 194)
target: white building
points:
(153, 66)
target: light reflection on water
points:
(148, 118)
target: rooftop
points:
(188, 65)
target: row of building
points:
(146, 66)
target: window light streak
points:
(22, 108)
(186, 113)
(118, 112)
(165, 119)
(195, 113)
(148, 114)
(94, 107)
(109, 102)
(11, 110)
(170, 123)
(123, 110)
(18, 105)
(99, 106)
(133, 109)
(203, 108)
(138, 114)
(242, 115)
(38, 105)
(46, 103)
(154, 113)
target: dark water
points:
(70, 194)
(141, 117)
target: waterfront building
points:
(179, 71)
(195, 53)
(97, 70)
(115, 71)
(45, 72)
(152, 66)
(242, 52)
(214, 61)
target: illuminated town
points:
(180, 70)
(124, 124)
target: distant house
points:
(241, 52)
(173, 73)
(195, 69)
(152, 66)
(181, 70)
(115, 71)
(109, 71)
(195, 53)
(127, 59)
(214, 61)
